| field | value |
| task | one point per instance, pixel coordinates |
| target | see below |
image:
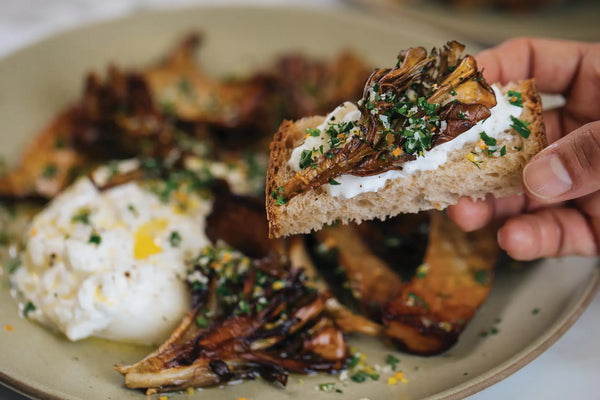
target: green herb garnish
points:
(82, 216)
(520, 126)
(327, 387)
(95, 238)
(29, 307)
(392, 361)
(306, 159)
(201, 321)
(416, 301)
(168, 108)
(503, 151)
(60, 143)
(489, 141)
(244, 307)
(482, 277)
(313, 132)
(185, 87)
(277, 194)
(515, 98)
(362, 376)
(354, 360)
(175, 239)
(50, 171)
(12, 265)
(333, 182)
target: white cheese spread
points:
(350, 186)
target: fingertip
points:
(518, 237)
(488, 63)
(470, 214)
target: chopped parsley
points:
(482, 277)
(503, 151)
(201, 321)
(328, 387)
(82, 216)
(49, 171)
(535, 311)
(313, 132)
(244, 307)
(392, 361)
(12, 265)
(60, 143)
(29, 307)
(515, 98)
(422, 271)
(277, 194)
(488, 140)
(131, 208)
(520, 126)
(175, 239)
(150, 165)
(306, 159)
(362, 376)
(168, 108)
(95, 238)
(333, 182)
(416, 301)
(354, 360)
(184, 86)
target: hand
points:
(559, 214)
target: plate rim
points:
(534, 350)
(467, 388)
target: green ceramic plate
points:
(38, 81)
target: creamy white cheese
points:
(350, 186)
(125, 284)
(347, 112)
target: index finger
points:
(553, 63)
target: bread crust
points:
(424, 190)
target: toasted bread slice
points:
(422, 190)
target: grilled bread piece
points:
(460, 175)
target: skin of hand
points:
(559, 213)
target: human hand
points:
(559, 214)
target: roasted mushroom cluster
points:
(425, 100)
(171, 106)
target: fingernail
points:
(547, 177)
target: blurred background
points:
(484, 21)
(566, 371)
(491, 21)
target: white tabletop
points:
(568, 370)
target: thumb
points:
(567, 169)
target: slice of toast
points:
(423, 190)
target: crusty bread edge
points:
(421, 191)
